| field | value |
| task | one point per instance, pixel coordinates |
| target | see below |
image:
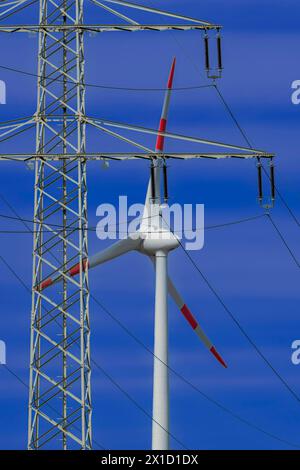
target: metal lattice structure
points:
(60, 319)
(60, 368)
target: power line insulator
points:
(271, 199)
(272, 179)
(213, 67)
(166, 193)
(152, 176)
(206, 49)
(259, 180)
(219, 49)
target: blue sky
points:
(247, 263)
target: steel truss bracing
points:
(135, 156)
(60, 329)
(102, 28)
(60, 372)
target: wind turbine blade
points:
(193, 322)
(117, 249)
(159, 146)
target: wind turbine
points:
(156, 241)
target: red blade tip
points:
(218, 357)
(171, 76)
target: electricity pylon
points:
(60, 320)
(60, 368)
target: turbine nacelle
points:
(158, 239)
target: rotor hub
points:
(158, 239)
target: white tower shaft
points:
(160, 423)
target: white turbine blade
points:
(117, 249)
(193, 322)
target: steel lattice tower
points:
(60, 366)
(60, 330)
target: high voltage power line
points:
(52, 71)
(180, 376)
(221, 96)
(142, 344)
(238, 324)
(247, 140)
(240, 128)
(106, 374)
(284, 241)
(110, 87)
(93, 229)
(20, 380)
